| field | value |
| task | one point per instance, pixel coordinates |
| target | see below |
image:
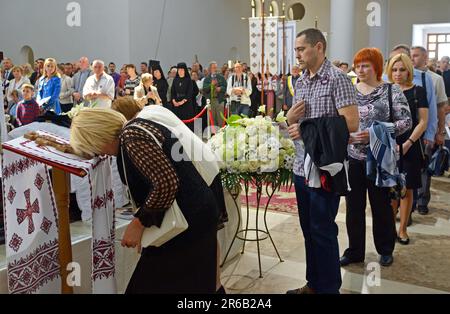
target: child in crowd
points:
(28, 108)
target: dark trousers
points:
(384, 232)
(424, 194)
(66, 107)
(317, 211)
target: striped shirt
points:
(132, 84)
(27, 112)
(326, 92)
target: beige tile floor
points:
(421, 267)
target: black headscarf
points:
(161, 85)
(182, 87)
(183, 65)
(158, 67)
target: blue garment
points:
(431, 131)
(381, 155)
(317, 211)
(50, 88)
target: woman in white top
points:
(16, 83)
(65, 96)
(147, 94)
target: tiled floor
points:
(421, 267)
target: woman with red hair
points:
(373, 104)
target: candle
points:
(230, 64)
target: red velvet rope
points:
(196, 117)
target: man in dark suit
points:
(7, 74)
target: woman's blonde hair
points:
(145, 78)
(17, 68)
(92, 129)
(127, 106)
(406, 62)
(27, 69)
(51, 61)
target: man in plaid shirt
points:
(322, 91)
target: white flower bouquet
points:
(254, 146)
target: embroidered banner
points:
(31, 225)
(271, 44)
(30, 245)
(290, 33)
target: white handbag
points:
(174, 221)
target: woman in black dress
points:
(400, 72)
(186, 263)
(160, 82)
(182, 95)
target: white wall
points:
(42, 26)
(405, 13)
(126, 31)
(206, 28)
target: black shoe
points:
(403, 241)
(345, 261)
(386, 260)
(423, 210)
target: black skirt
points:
(184, 265)
(412, 166)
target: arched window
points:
(253, 3)
(274, 11)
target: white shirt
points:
(245, 83)
(439, 87)
(105, 85)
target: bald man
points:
(79, 79)
(289, 89)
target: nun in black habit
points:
(160, 82)
(182, 95)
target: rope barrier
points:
(197, 116)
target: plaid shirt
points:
(329, 90)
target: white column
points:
(379, 34)
(341, 35)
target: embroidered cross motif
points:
(28, 212)
(39, 181)
(11, 195)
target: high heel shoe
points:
(403, 241)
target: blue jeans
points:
(317, 211)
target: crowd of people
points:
(234, 90)
(399, 104)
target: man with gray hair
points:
(99, 88)
(79, 79)
(214, 89)
(289, 90)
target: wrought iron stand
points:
(242, 234)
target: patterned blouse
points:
(375, 107)
(154, 167)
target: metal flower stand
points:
(270, 184)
